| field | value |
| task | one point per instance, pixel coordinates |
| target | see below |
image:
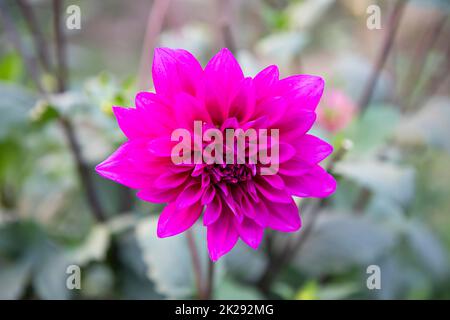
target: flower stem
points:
(208, 294)
(155, 22)
(289, 252)
(393, 23)
(195, 261)
(37, 35)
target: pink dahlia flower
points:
(234, 200)
(336, 111)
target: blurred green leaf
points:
(49, 279)
(384, 178)
(15, 104)
(372, 130)
(430, 125)
(231, 290)
(11, 67)
(169, 262)
(339, 242)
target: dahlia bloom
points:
(335, 111)
(234, 200)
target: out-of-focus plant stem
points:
(61, 51)
(209, 287)
(13, 35)
(291, 249)
(37, 35)
(62, 74)
(196, 266)
(158, 12)
(224, 24)
(68, 129)
(436, 80)
(420, 58)
(393, 24)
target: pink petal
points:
(283, 216)
(265, 80)
(271, 193)
(223, 76)
(302, 91)
(243, 103)
(251, 233)
(191, 194)
(121, 166)
(176, 71)
(315, 183)
(212, 211)
(295, 126)
(159, 196)
(222, 235)
(313, 149)
(173, 220)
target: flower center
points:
(231, 173)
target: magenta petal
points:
(223, 76)
(295, 126)
(132, 122)
(302, 91)
(313, 149)
(158, 196)
(315, 183)
(176, 71)
(173, 220)
(191, 194)
(283, 217)
(251, 233)
(265, 80)
(171, 180)
(243, 103)
(271, 193)
(222, 235)
(212, 211)
(121, 168)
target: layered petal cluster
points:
(234, 201)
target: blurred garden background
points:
(386, 110)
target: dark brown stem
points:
(60, 41)
(83, 170)
(40, 44)
(393, 23)
(14, 36)
(420, 58)
(158, 12)
(82, 167)
(437, 79)
(195, 262)
(362, 200)
(208, 293)
(291, 249)
(225, 16)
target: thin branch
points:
(155, 21)
(82, 167)
(436, 80)
(60, 46)
(393, 23)
(195, 261)
(40, 44)
(14, 36)
(289, 252)
(420, 59)
(224, 21)
(83, 171)
(208, 293)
